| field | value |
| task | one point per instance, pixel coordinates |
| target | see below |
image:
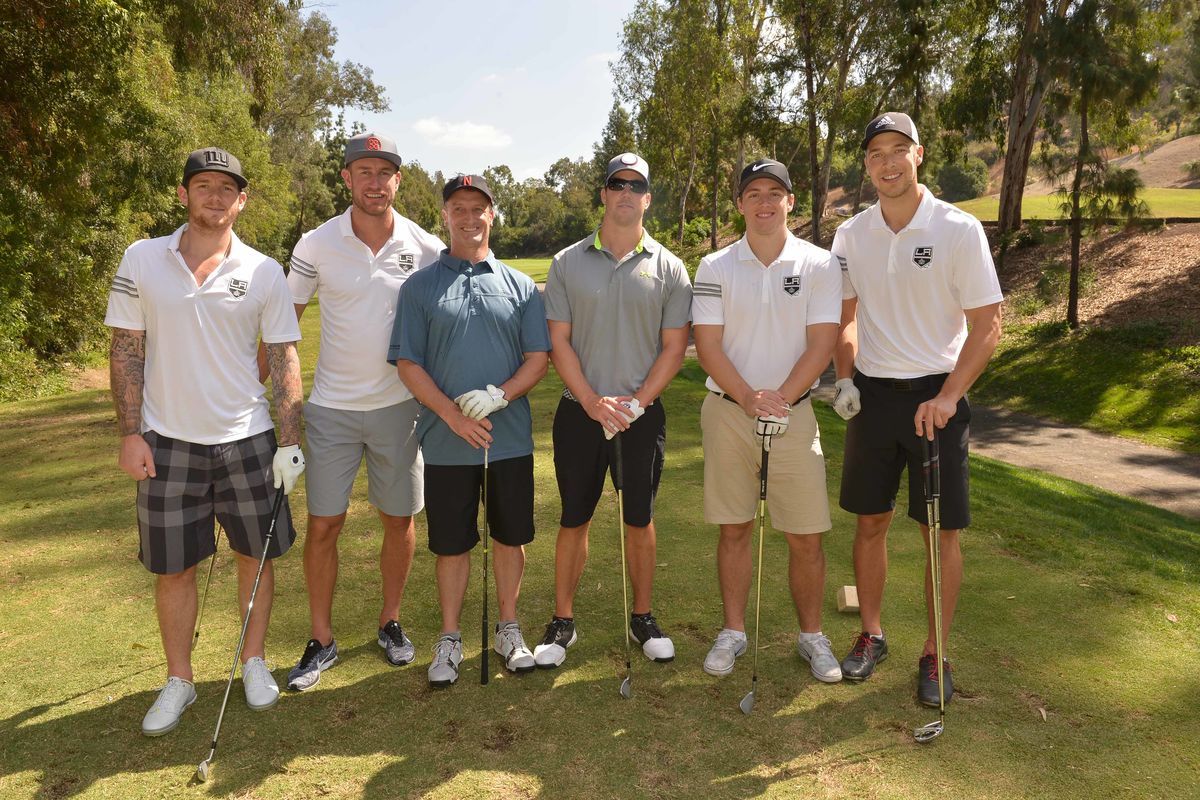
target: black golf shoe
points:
(657, 646)
(927, 681)
(868, 651)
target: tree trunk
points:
(1076, 217)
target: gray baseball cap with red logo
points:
(371, 145)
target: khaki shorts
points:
(796, 493)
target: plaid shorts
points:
(197, 482)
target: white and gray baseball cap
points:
(896, 121)
(371, 145)
(630, 161)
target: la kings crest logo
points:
(237, 288)
(406, 261)
(922, 257)
(791, 284)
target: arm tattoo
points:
(127, 377)
(287, 389)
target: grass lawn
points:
(536, 268)
(1162, 202)
(1074, 681)
(1122, 381)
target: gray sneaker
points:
(316, 659)
(510, 644)
(729, 645)
(172, 701)
(397, 647)
(819, 655)
(447, 655)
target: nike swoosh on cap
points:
(757, 167)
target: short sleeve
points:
(558, 307)
(707, 303)
(303, 276)
(410, 330)
(825, 299)
(975, 280)
(677, 311)
(278, 322)
(535, 336)
(125, 299)
(840, 255)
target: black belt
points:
(797, 401)
(918, 384)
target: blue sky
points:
(474, 84)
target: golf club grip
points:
(618, 468)
(762, 473)
(935, 467)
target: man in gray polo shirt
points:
(618, 305)
(470, 341)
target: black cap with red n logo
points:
(476, 182)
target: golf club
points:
(202, 771)
(933, 509)
(207, 582)
(487, 532)
(619, 484)
(747, 704)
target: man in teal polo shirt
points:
(618, 305)
(470, 341)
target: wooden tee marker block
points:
(847, 598)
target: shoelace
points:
(555, 630)
(651, 626)
(394, 632)
(822, 642)
(862, 645)
(727, 640)
(311, 651)
(252, 672)
(168, 696)
(442, 650)
(931, 668)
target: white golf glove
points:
(635, 411)
(767, 427)
(287, 467)
(848, 401)
(479, 403)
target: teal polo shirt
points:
(469, 325)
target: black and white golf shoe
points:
(397, 648)
(643, 629)
(316, 659)
(552, 650)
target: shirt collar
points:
(346, 226)
(236, 247)
(920, 218)
(646, 243)
(788, 253)
(460, 265)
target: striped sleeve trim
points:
(701, 289)
(303, 267)
(123, 285)
(842, 262)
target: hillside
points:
(1161, 168)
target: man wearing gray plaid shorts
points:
(187, 311)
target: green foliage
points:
(962, 180)
(1192, 168)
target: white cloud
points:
(462, 134)
(603, 58)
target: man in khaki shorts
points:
(355, 264)
(765, 312)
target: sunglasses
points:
(636, 185)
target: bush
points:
(1192, 168)
(963, 181)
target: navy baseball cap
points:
(214, 159)
(891, 121)
(630, 161)
(371, 145)
(765, 168)
(476, 182)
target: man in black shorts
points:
(920, 320)
(187, 311)
(469, 342)
(618, 305)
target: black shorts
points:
(197, 482)
(881, 441)
(582, 456)
(452, 496)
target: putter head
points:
(626, 689)
(202, 771)
(747, 704)
(927, 733)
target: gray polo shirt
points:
(469, 325)
(618, 308)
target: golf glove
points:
(479, 403)
(287, 466)
(767, 427)
(848, 401)
(635, 411)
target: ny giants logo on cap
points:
(216, 158)
(922, 257)
(373, 143)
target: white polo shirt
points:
(358, 291)
(766, 311)
(913, 286)
(202, 341)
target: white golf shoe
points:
(261, 690)
(172, 701)
(729, 645)
(447, 655)
(816, 650)
(510, 644)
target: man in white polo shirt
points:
(187, 311)
(920, 320)
(355, 263)
(618, 305)
(765, 311)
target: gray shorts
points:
(335, 443)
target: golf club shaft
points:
(933, 510)
(246, 622)
(762, 527)
(487, 533)
(212, 562)
(619, 485)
